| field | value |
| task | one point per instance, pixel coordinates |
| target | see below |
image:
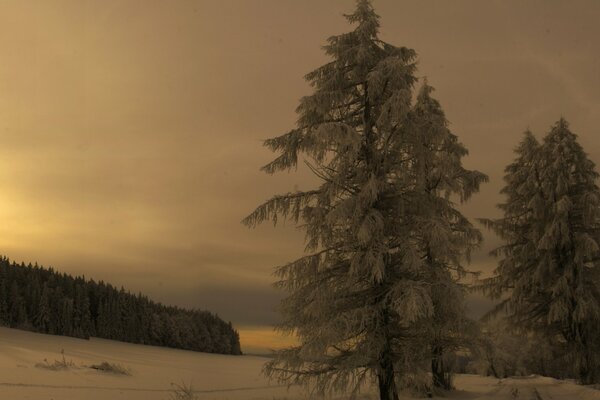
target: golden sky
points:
(130, 131)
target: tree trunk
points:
(386, 375)
(387, 383)
(493, 369)
(441, 377)
(587, 374)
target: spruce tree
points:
(16, 305)
(443, 236)
(42, 318)
(82, 320)
(549, 265)
(4, 313)
(518, 229)
(380, 225)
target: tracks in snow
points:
(537, 388)
(519, 390)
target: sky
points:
(131, 131)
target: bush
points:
(57, 365)
(112, 368)
(182, 392)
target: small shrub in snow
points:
(112, 368)
(182, 392)
(57, 365)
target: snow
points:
(526, 388)
(154, 369)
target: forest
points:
(42, 300)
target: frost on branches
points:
(383, 237)
(549, 263)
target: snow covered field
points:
(153, 369)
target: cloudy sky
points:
(130, 131)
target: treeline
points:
(42, 300)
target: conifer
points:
(380, 226)
(549, 264)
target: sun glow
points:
(263, 339)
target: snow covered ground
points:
(154, 369)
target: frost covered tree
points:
(443, 236)
(549, 264)
(43, 318)
(517, 227)
(381, 228)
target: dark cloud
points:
(247, 306)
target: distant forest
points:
(42, 300)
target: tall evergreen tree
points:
(16, 305)
(549, 265)
(517, 228)
(43, 317)
(82, 320)
(4, 313)
(443, 236)
(381, 221)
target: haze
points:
(130, 131)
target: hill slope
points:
(152, 369)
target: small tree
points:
(549, 264)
